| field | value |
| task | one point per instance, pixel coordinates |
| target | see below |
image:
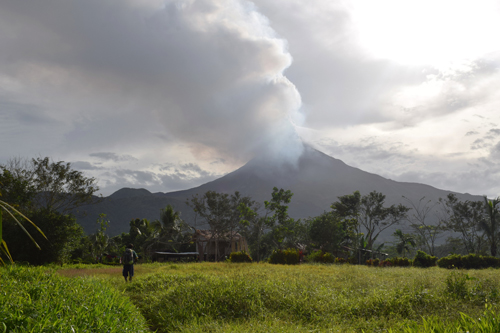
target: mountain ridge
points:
(316, 180)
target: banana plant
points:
(364, 250)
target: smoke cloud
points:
(209, 71)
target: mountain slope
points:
(316, 181)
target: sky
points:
(168, 95)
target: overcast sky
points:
(167, 95)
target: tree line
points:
(48, 193)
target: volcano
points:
(316, 180)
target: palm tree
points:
(490, 224)
(100, 242)
(169, 220)
(170, 230)
(403, 242)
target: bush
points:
(373, 262)
(321, 257)
(491, 261)
(456, 284)
(451, 261)
(341, 261)
(473, 261)
(400, 262)
(285, 257)
(241, 256)
(470, 261)
(424, 260)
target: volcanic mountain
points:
(316, 180)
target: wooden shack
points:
(216, 247)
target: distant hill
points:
(316, 181)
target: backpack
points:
(128, 257)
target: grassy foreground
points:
(39, 300)
(337, 298)
(221, 297)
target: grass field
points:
(222, 297)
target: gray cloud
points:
(191, 167)
(474, 181)
(495, 152)
(494, 132)
(368, 149)
(82, 165)
(170, 178)
(479, 144)
(137, 177)
(108, 156)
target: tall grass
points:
(222, 297)
(263, 297)
(38, 300)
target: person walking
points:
(128, 260)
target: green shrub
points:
(451, 261)
(285, 257)
(424, 260)
(491, 261)
(470, 261)
(396, 262)
(321, 257)
(373, 262)
(473, 261)
(456, 284)
(241, 256)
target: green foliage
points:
(456, 284)
(221, 212)
(465, 219)
(326, 231)
(426, 233)
(470, 261)
(320, 257)
(285, 231)
(12, 212)
(366, 214)
(488, 322)
(398, 262)
(39, 300)
(43, 192)
(403, 241)
(241, 256)
(252, 227)
(424, 260)
(44, 184)
(491, 224)
(62, 237)
(343, 261)
(373, 262)
(285, 257)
